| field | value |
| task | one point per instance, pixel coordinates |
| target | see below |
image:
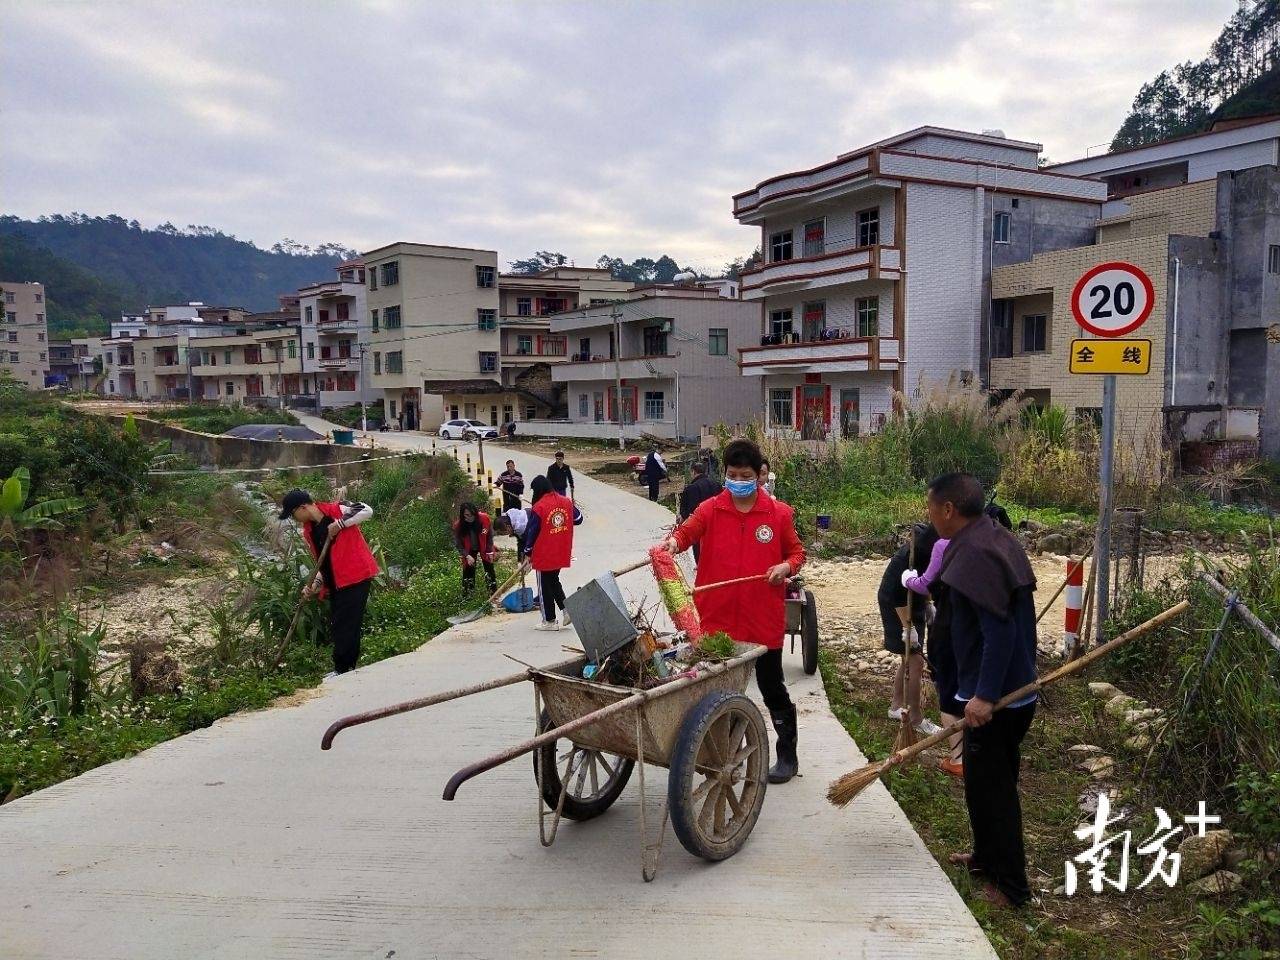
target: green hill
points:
(95, 266)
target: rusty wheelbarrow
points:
(590, 737)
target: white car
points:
(467, 430)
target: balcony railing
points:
(336, 326)
(841, 171)
(604, 368)
(839, 354)
(838, 263)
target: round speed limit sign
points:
(1113, 299)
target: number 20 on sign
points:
(1112, 299)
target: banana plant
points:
(16, 517)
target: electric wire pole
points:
(617, 376)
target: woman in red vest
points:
(742, 532)
(548, 542)
(473, 536)
(346, 572)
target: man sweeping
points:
(548, 540)
(743, 531)
(345, 572)
(990, 611)
(511, 482)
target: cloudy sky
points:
(588, 128)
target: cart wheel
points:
(716, 785)
(597, 781)
(809, 634)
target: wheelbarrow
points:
(802, 622)
(590, 737)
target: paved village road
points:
(246, 841)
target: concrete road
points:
(246, 841)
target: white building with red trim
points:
(876, 268)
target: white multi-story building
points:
(877, 266)
(335, 338)
(24, 333)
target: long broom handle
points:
(297, 612)
(1062, 586)
(726, 583)
(516, 574)
(1066, 670)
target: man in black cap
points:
(347, 566)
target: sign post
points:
(1109, 301)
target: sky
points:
(585, 128)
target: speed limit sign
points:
(1113, 299)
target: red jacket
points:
(735, 544)
(350, 557)
(553, 548)
(463, 540)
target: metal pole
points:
(617, 374)
(1102, 545)
(280, 373)
(364, 424)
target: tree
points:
(735, 268)
(16, 518)
(542, 260)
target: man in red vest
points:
(346, 571)
(742, 532)
(548, 541)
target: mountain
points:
(136, 267)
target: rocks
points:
(1103, 691)
(1216, 884)
(1119, 705)
(863, 665)
(1054, 543)
(1098, 767)
(1081, 750)
(1133, 717)
(1233, 858)
(1201, 855)
(1138, 742)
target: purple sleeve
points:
(921, 583)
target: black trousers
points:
(469, 574)
(551, 592)
(346, 622)
(510, 501)
(653, 490)
(769, 680)
(991, 760)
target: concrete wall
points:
(1198, 374)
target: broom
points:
(297, 611)
(906, 733)
(846, 788)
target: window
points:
(508, 413)
(549, 305)
(311, 351)
(487, 319)
(868, 227)
(524, 306)
(391, 318)
(39, 318)
(554, 346)
(469, 411)
(654, 342)
(252, 355)
(780, 322)
(718, 342)
(868, 309)
(780, 408)
(814, 238)
(530, 412)
(395, 362)
(391, 273)
(377, 363)
(8, 296)
(13, 336)
(814, 317)
(10, 317)
(453, 412)
(488, 361)
(780, 246)
(230, 388)
(584, 404)
(39, 297)
(524, 345)
(484, 276)
(40, 337)
(373, 285)
(1273, 258)
(307, 315)
(1034, 328)
(1000, 227)
(344, 310)
(584, 348)
(654, 404)
(13, 358)
(293, 349)
(42, 355)
(1001, 328)
(373, 320)
(226, 356)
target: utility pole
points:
(280, 373)
(617, 375)
(364, 424)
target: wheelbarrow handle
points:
(396, 708)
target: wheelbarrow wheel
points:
(718, 775)
(598, 778)
(809, 634)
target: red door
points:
(813, 410)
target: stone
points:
(863, 665)
(1138, 742)
(1121, 704)
(1233, 858)
(1099, 767)
(1055, 543)
(1201, 855)
(1216, 884)
(1060, 890)
(1103, 691)
(1138, 716)
(1081, 750)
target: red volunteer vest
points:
(486, 535)
(554, 546)
(350, 556)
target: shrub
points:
(1039, 473)
(954, 426)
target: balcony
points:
(629, 368)
(850, 354)
(338, 362)
(839, 263)
(330, 327)
(830, 179)
(169, 369)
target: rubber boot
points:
(784, 723)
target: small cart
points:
(590, 737)
(802, 622)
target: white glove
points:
(908, 575)
(910, 639)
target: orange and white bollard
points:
(1075, 604)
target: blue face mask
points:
(740, 488)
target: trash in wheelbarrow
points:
(600, 617)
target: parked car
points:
(467, 430)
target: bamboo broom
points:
(906, 733)
(846, 788)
